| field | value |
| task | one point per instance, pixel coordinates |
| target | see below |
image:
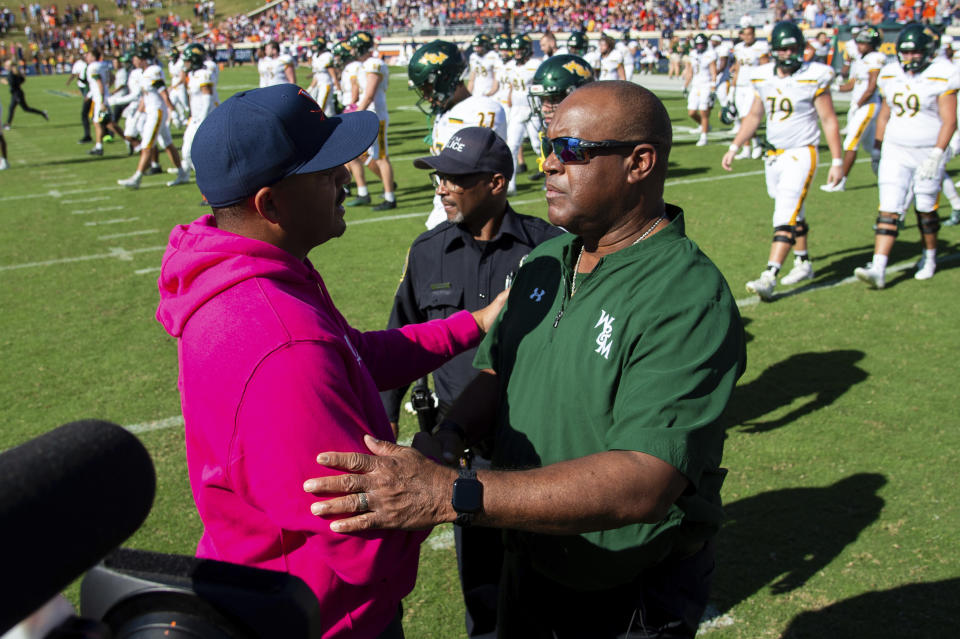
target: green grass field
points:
(843, 435)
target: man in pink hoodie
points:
(270, 371)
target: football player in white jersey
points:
(201, 85)
(864, 103)
(520, 120)
(916, 122)
(372, 84)
(555, 79)
(324, 78)
(98, 79)
(791, 95)
(435, 72)
(155, 104)
(503, 71)
(748, 54)
(177, 90)
(724, 50)
(275, 68)
(483, 64)
(700, 78)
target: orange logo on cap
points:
(310, 97)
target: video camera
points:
(69, 497)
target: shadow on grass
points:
(914, 611)
(783, 537)
(826, 376)
(674, 172)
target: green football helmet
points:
(435, 70)
(729, 113)
(482, 43)
(320, 43)
(145, 51)
(786, 36)
(522, 47)
(361, 42)
(504, 44)
(342, 54)
(194, 55)
(700, 42)
(915, 38)
(869, 35)
(577, 43)
(555, 79)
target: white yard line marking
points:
(58, 194)
(87, 199)
(130, 234)
(74, 183)
(120, 220)
(106, 208)
(144, 271)
(82, 258)
(159, 424)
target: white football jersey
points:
(319, 65)
(272, 70)
(214, 70)
(200, 103)
(851, 51)
(700, 62)
(483, 69)
(99, 70)
(151, 83)
(504, 71)
(521, 75)
(609, 65)
(351, 72)
(379, 68)
(788, 102)
(860, 72)
(474, 111)
(749, 57)
(914, 112)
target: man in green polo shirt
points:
(602, 385)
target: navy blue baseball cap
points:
(473, 149)
(258, 137)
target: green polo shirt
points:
(644, 357)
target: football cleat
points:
(130, 182)
(173, 170)
(153, 170)
(4, 165)
(386, 205)
(360, 200)
(182, 178)
(95, 152)
(835, 188)
(802, 270)
(954, 218)
(925, 269)
(743, 154)
(539, 175)
(763, 285)
(702, 140)
(874, 278)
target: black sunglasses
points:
(574, 150)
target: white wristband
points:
(836, 162)
(734, 148)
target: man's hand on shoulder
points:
(488, 314)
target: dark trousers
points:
(18, 99)
(479, 562)
(85, 116)
(666, 601)
(395, 629)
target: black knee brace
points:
(887, 218)
(785, 228)
(801, 228)
(929, 223)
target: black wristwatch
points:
(467, 497)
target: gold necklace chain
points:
(576, 267)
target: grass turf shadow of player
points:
(784, 537)
(913, 611)
(825, 376)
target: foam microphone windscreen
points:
(67, 498)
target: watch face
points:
(467, 495)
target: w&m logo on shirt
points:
(604, 341)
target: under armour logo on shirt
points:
(537, 294)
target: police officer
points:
(464, 263)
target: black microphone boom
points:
(67, 498)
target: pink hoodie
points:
(271, 375)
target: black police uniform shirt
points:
(447, 270)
